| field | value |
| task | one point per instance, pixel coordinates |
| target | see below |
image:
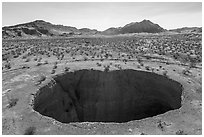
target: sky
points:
(103, 15)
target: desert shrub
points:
(24, 67)
(12, 102)
(24, 57)
(16, 56)
(186, 72)
(143, 133)
(46, 62)
(55, 65)
(39, 64)
(62, 57)
(106, 68)
(160, 125)
(147, 67)
(8, 66)
(35, 59)
(139, 60)
(66, 69)
(98, 64)
(53, 71)
(27, 60)
(106, 55)
(165, 73)
(39, 59)
(192, 64)
(180, 132)
(148, 57)
(4, 57)
(118, 66)
(125, 60)
(30, 131)
(85, 58)
(42, 78)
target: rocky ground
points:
(34, 67)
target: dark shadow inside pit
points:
(115, 96)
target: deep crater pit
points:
(114, 96)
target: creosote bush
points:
(186, 72)
(8, 66)
(98, 64)
(66, 69)
(30, 131)
(147, 67)
(165, 73)
(53, 71)
(106, 68)
(12, 102)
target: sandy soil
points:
(20, 86)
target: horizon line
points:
(94, 28)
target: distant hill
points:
(188, 30)
(111, 31)
(88, 31)
(40, 28)
(136, 27)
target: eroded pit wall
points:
(115, 96)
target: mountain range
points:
(40, 28)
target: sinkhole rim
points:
(55, 81)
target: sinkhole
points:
(114, 96)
